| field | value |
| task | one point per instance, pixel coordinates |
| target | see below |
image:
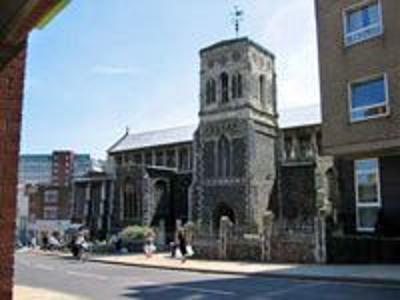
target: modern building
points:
(35, 168)
(57, 168)
(359, 54)
(17, 19)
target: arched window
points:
(224, 78)
(237, 86)
(262, 89)
(210, 91)
(234, 87)
(132, 205)
(129, 195)
(224, 157)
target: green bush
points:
(134, 233)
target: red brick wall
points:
(11, 93)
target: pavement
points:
(31, 293)
(55, 277)
(370, 274)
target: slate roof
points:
(288, 118)
(155, 138)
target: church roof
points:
(288, 118)
(154, 138)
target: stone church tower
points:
(235, 143)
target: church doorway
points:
(222, 210)
(163, 219)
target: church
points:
(240, 160)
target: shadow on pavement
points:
(260, 288)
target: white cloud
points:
(113, 70)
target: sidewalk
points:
(30, 293)
(370, 274)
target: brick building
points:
(17, 18)
(359, 49)
(49, 209)
(56, 170)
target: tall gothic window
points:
(261, 85)
(211, 91)
(224, 78)
(132, 206)
(224, 157)
(237, 86)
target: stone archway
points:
(221, 210)
(163, 213)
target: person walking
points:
(149, 247)
(182, 245)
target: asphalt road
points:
(109, 282)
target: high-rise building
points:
(57, 168)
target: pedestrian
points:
(45, 241)
(149, 247)
(182, 243)
(118, 244)
(33, 243)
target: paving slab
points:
(31, 293)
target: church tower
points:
(235, 142)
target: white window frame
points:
(377, 204)
(347, 41)
(386, 103)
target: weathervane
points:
(237, 17)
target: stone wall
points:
(301, 242)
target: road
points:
(100, 281)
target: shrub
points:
(134, 233)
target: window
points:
(211, 91)
(224, 78)
(51, 196)
(131, 201)
(261, 86)
(224, 158)
(138, 158)
(367, 190)
(362, 23)
(237, 86)
(149, 158)
(369, 98)
(171, 161)
(305, 147)
(50, 213)
(183, 159)
(160, 158)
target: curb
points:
(302, 277)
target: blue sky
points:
(103, 65)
